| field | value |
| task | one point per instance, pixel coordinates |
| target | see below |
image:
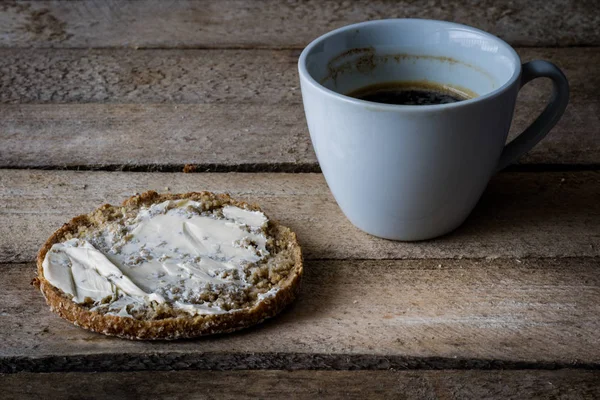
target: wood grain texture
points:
(363, 314)
(520, 214)
(234, 110)
(219, 137)
(149, 76)
(292, 23)
(46, 76)
(506, 385)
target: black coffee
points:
(410, 93)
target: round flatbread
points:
(170, 266)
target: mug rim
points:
(303, 71)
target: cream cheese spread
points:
(170, 252)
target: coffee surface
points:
(410, 93)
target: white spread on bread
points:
(170, 252)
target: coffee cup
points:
(414, 172)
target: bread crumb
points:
(189, 168)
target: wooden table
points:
(104, 99)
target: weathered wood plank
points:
(247, 137)
(274, 23)
(363, 314)
(210, 76)
(149, 76)
(520, 215)
(562, 384)
(246, 112)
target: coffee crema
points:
(413, 93)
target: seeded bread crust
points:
(179, 327)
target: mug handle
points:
(547, 119)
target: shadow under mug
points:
(409, 172)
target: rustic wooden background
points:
(102, 99)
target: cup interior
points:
(410, 50)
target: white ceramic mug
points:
(415, 172)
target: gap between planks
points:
(290, 168)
